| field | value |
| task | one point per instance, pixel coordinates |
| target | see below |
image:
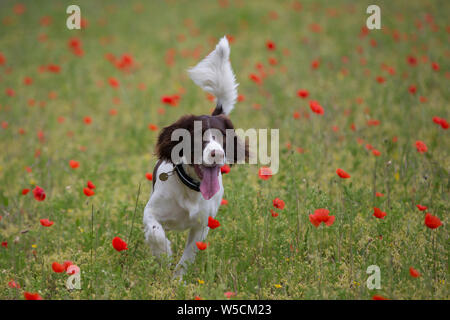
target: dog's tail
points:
(214, 75)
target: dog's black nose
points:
(213, 153)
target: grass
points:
(252, 254)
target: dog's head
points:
(204, 143)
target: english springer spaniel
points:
(187, 185)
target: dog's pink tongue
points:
(210, 182)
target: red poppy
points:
(87, 120)
(149, 176)
(67, 264)
(229, 294)
(376, 153)
(53, 68)
(278, 203)
(270, 45)
(197, 298)
(321, 215)
(74, 164)
(213, 223)
(119, 244)
(27, 81)
(240, 98)
(273, 61)
(255, 78)
(421, 146)
(153, 127)
(88, 192)
(2, 59)
(57, 267)
(296, 115)
(5, 244)
(25, 191)
(435, 66)
(39, 193)
(413, 272)
(315, 64)
(303, 93)
(170, 100)
(32, 296)
(90, 185)
(379, 194)
(113, 82)
(421, 208)
(442, 122)
(264, 173)
(341, 173)
(412, 60)
(10, 92)
(13, 284)
(380, 79)
(201, 245)
(431, 221)
(274, 213)
(225, 169)
(223, 202)
(379, 297)
(412, 89)
(316, 107)
(378, 213)
(46, 222)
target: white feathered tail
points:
(215, 75)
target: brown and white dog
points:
(187, 185)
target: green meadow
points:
(94, 96)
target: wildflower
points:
(412, 89)
(25, 191)
(431, 221)
(229, 294)
(39, 193)
(379, 194)
(274, 213)
(213, 223)
(265, 173)
(224, 202)
(153, 127)
(88, 192)
(74, 164)
(149, 176)
(303, 93)
(421, 146)
(421, 208)
(270, 45)
(379, 297)
(46, 222)
(90, 185)
(316, 107)
(119, 244)
(376, 153)
(341, 173)
(378, 213)
(278, 203)
(13, 284)
(5, 244)
(321, 215)
(201, 245)
(57, 267)
(225, 169)
(414, 273)
(32, 296)
(113, 82)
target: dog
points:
(187, 186)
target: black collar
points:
(186, 179)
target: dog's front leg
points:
(195, 234)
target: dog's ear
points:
(240, 150)
(165, 144)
